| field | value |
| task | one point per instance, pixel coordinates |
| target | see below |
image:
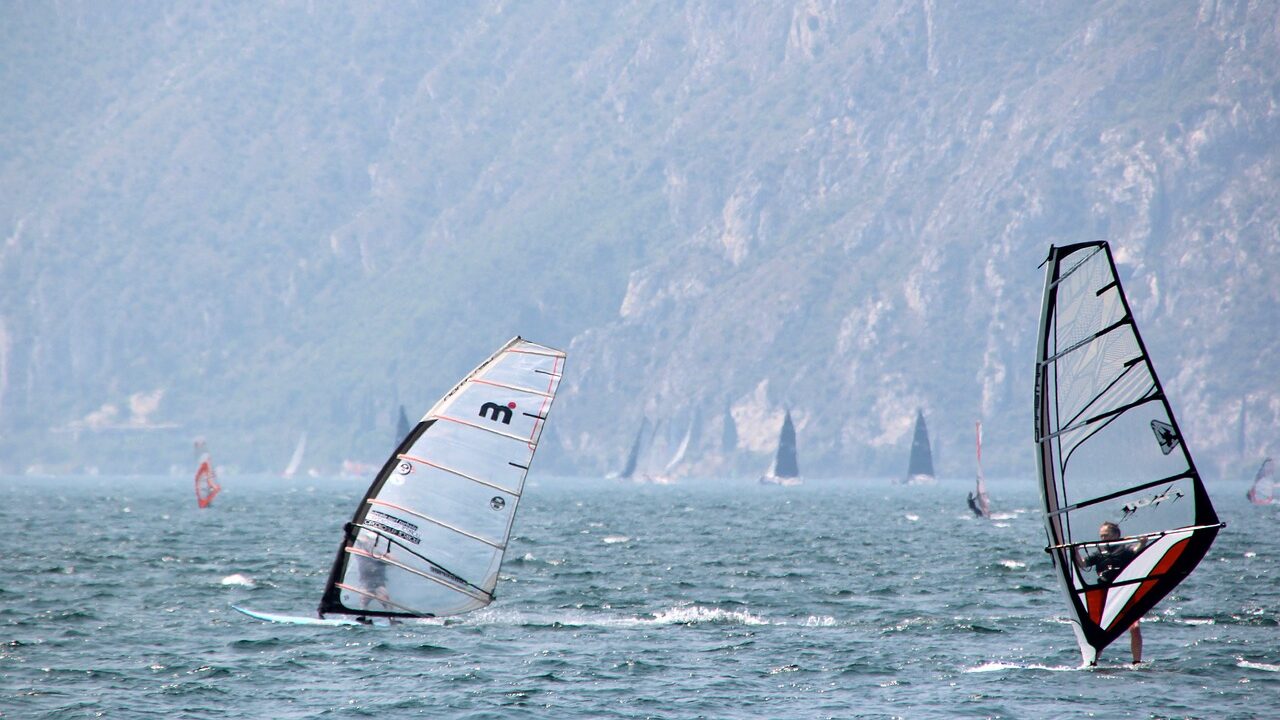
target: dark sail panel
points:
(921, 463)
(1109, 450)
(402, 427)
(633, 457)
(786, 463)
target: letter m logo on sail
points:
(494, 411)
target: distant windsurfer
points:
(1109, 561)
(978, 504)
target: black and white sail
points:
(920, 466)
(429, 536)
(1109, 450)
(786, 465)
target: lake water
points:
(712, 599)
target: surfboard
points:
(295, 619)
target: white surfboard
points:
(295, 619)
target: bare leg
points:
(1135, 642)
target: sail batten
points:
(1126, 464)
(513, 387)
(442, 524)
(460, 474)
(428, 538)
(495, 431)
(1119, 493)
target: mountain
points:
(240, 222)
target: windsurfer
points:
(975, 507)
(373, 570)
(1109, 561)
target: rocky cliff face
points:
(287, 216)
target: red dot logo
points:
(512, 405)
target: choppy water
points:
(709, 599)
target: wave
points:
(997, 665)
(238, 580)
(1241, 662)
(679, 615)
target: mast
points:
(979, 502)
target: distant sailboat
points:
(295, 462)
(633, 456)
(1108, 449)
(920, 467)
(402, 427)
(979, 502)
(206, 481)
(670, 470)
(429, 536)
(786, 466)
(1263, 488)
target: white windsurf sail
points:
(428, 538)
(1109, 450)
(295, 462)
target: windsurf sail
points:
(979, 502)
(428, 538)
(1263, 488)
(1109, 450)
(920, 466)
(207, 487)
(296, 460)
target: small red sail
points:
(207, 487)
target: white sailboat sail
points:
(429, 536)
(1109, 450)
(681, 449)
(295, 462)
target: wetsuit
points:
(1110, 560)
